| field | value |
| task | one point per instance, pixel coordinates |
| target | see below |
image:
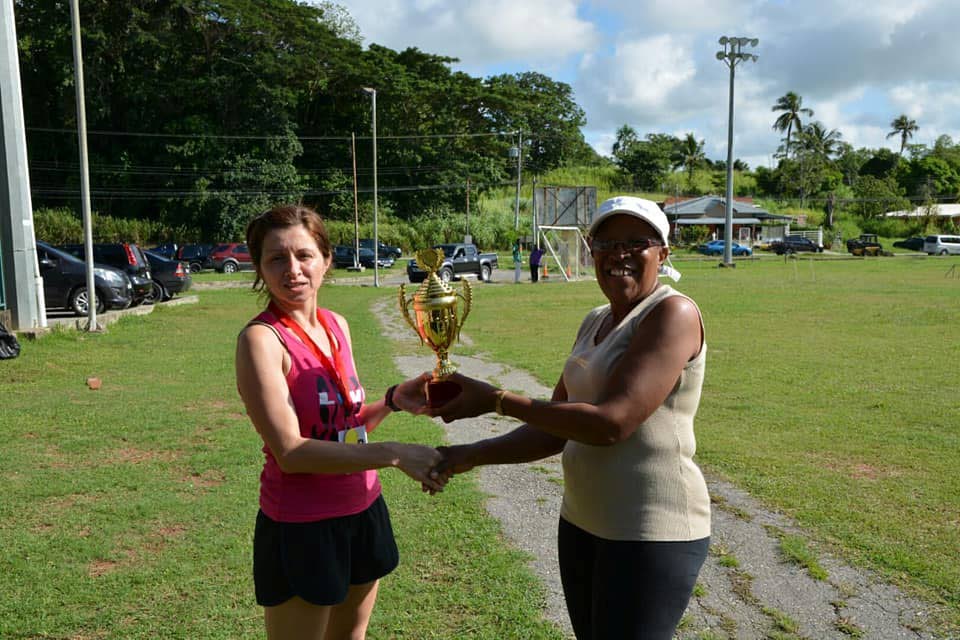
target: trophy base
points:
(440, 392)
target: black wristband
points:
(388, 399)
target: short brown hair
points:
(281, 216)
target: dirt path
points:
(747, 590)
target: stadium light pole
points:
(376, 235)
(517, 152)
(732, 55)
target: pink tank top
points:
(306, 497)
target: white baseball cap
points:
(645, 210)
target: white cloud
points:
(651, 63)
(480, 33)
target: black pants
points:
(534, 273)
(626, 590)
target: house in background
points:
(941, 212)
(750, 222)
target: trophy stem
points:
(444, 367)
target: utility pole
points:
(376, 234)
(84, 168)
(519, 156)
(356, 206)
(468, 207)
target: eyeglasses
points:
(637, 245)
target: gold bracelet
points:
(498, 404)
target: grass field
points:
(830, 394)
(127, 512)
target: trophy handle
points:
(405, 310)
(467, 297)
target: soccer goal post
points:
(568, 250)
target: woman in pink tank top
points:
(323, 537)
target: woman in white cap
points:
(635, 520)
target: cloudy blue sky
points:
(652, 63)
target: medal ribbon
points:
(336, 369)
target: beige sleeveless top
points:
(646, 487)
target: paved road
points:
(748, 590)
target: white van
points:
(941, 245)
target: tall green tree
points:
(816, 139)
(904, 127)
(791, 106)
(689, 155)
(626, 137)
(545, 111)
(647, 162)
(875, 196)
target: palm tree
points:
(792, 106)
(626, 138)
(689, 155)
(903, 127)
(816, 139)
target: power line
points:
(142, 195)
(198, 136)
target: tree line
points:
(815, 167)
(201, 114)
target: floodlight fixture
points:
(732, 55)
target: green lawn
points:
(831, 394)
(128, 511)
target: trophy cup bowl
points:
(437, 318)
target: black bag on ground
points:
(9, 347)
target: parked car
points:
(343, 258)
(792, 244)
(197, 256)
(941, 245)
(231, 257)
(382, 249)
(127, 257)
(170, 277)
(911, 244)
(167, 249)
(65, 282)
(715, 248)
(459, 260)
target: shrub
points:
(57, 226)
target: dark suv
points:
(792, 244)
(65, 283)
(383, 249)
(196, 255)
(125, 256)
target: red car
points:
(231, 257)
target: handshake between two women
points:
(473, 398)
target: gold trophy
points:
(437, 322)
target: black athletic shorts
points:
(318, 561)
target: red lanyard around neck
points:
(336, 368)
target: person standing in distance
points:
(536, 253)
(323, 537)
(634, 525)
(517, 261)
